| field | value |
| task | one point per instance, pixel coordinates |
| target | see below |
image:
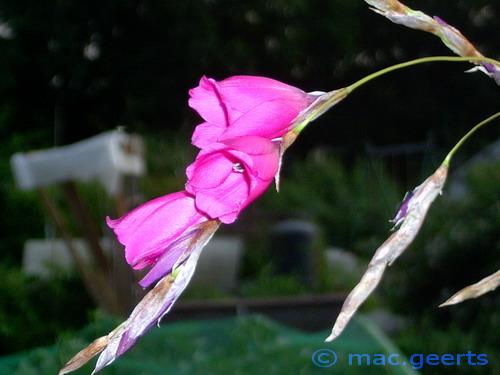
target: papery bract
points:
(410, 217)
(156, 233)
(155, 304)
(226, 176)
(245, 105)
(159, 300)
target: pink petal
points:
(229, 218)
(251, 145)
(270, 119)
(224, 176)
(246, 94)
(164, 264)
(264, 155)
(210, 169)
(147, 231)
(245, 105)
(125, 226)
(206, 100)
(225, 198)
(156, 303)
(266, 166)
(213, 165)
(243, 93)
(207, 133)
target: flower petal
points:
(226, 177)
(164, 264)
(211, 168)
(157, 302)
(245, 105)
(264, 155)
(251, 145)
(125, 226)
(243, 93)
(148, 230)
(269, 119)
(226, 198)
(206, 100)
(207, 133)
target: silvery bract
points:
(410, 218)
(399, 13)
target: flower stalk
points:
(447, 160)
(248, 124)
(399, 13)
(327, 100)
(409, 218)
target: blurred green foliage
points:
(267, 284)
(350, 202)
(166, 160)
(151, 52)
(426, 337)
(34, 311)
(22, 215)
(458, 245)
(245, 345)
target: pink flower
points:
(158, 232)
(226, 176)
(155, 304)
(238, 160)
(245, 105)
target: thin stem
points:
(346, 91)
(416, 62)
(446, 161)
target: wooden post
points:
(86, 224)
(94, 281)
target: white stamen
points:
(238, 167)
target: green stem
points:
(416, 62)
(446, 161)
(346, 91)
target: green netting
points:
(247, 345)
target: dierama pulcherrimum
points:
(240, 140)
(156, 233)
(228, 175)
(245, 105)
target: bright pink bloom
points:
(238, 160)
(158, 232)
(245, 105)
(155, 304)
(228, 175)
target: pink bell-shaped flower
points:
(157, 233)
(245, 105)
(228, 175)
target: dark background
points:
(72, 69)
(147, 54)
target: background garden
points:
(71, 69)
